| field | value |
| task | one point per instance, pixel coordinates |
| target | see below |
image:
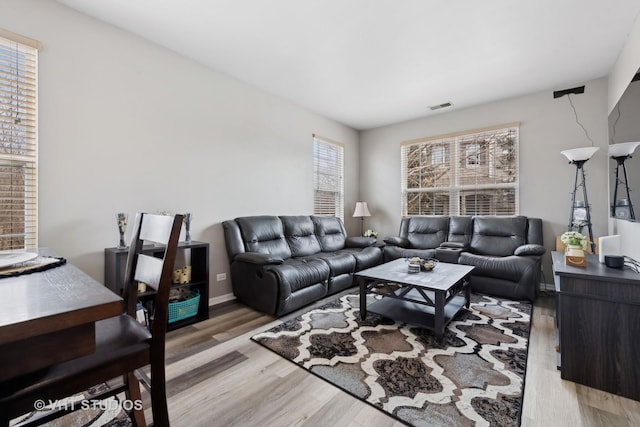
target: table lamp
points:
(361, 211)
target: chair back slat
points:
(157, 228)
(149, 270)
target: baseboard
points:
(221, 299)
(547, 287)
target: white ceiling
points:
(368, 63)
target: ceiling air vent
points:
(439, 106)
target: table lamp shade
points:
(361, 210)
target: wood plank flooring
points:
(216, 376)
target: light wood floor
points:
(216, 376)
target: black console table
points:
(598, 321)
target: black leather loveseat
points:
(281, 263)
(506, 250)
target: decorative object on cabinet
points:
(609, 245)
(122, 227)
(187, 227)
(197, 274)
(622, 208)
(361, 211)
(614, 261)
(576, 244)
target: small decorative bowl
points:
(417, 264)
(429, 264)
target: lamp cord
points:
(578, 121)
(632, 264)
(613, 133)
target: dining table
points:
(48, 316)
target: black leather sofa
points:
(506, 250)
(282, 263)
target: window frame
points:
(328, 177)
(18, 141)
(448, 193)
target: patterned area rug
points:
(474, 377)
(104, 413)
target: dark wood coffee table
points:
(429, 299)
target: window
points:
(18, 142)
(470, 173)
(328, 181)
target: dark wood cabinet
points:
(192, 253)
(598, 321)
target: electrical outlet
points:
(222, 276)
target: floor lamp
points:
(620, 153)
(361, 211)
(578, 157)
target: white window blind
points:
(468, 173)
(18, 143)
(328, 181)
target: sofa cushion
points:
(339, 263)
(498, 235)
(365, 258)
(264, 234)
(299, 232)
(297, 273)
(427, 232)
(330, 233)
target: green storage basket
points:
(184, 309)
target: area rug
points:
(475, 376)
(92, 413)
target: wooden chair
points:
(123, 345)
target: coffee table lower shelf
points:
(414, 313)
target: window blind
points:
(328, 181)
(18, 144)
(467, 173)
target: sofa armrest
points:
(530, 249)
(397, 241)
(449, 254)
(359, 242)
(258, 258)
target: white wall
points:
(547, 126)
(626, 66)
(128, 126)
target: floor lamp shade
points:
(579, 154)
